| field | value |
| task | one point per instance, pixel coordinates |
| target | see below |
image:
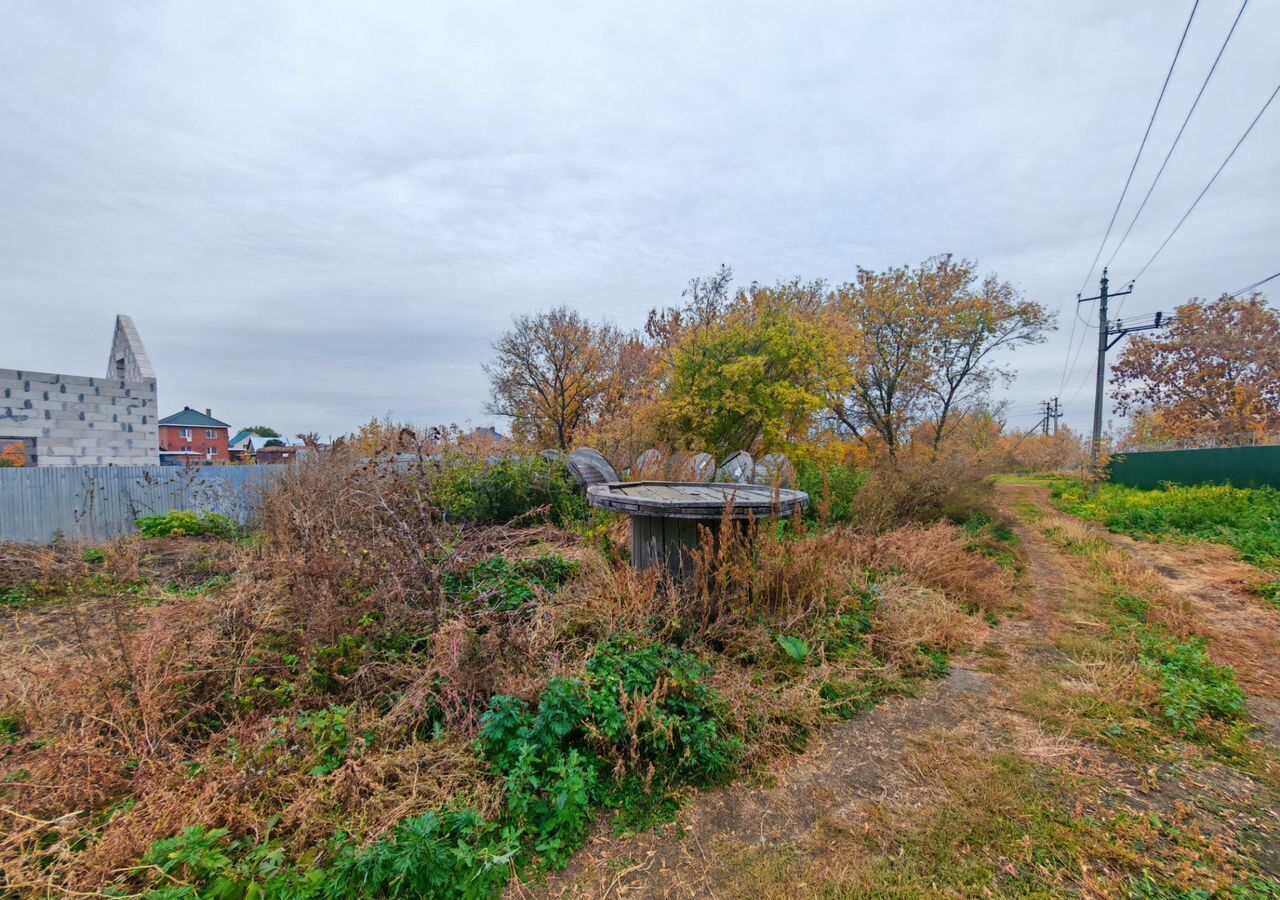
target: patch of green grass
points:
(993, 538)
(1247, 519)
(208, 587)
(1003, 827)
(1269, 591)
(1187, 695)
(11, 726)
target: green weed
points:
(514, 490)
(1192, 687)
(507, 585)
(180, 523)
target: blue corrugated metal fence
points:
(94, 503)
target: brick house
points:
(192, 438)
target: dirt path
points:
(882, 766)
(1244, 629)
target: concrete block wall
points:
(81, 421)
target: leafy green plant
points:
(640, 725)
(94, 556)
(796, 648)
(444, 855)
(17, 597)
(510, 585)
(453, 854)
(519, 490)
(330, 739)
(184, 523)
(1192, 687)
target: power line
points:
(1178, 136)
(1143, 144)
(1255, 284)
(1067, 369)
(1200, 196)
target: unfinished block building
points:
(78, 420)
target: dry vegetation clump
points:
(919, 486)
(939, 556)
(22, 564)
(365, 670)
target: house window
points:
(185, 434)
(211, 433)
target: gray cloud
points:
(321, 212)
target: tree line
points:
(893, 361)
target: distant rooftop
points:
(194, 418)
(258, 438)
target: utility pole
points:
(1109, 334)
(1056, 414)
(1046, 410)
(1103, 297)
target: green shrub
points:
(833, 488)
(638, 727)
(477, 491)
(181, 522)
(446, 855)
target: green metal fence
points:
(1238, 466)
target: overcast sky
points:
(320, 212)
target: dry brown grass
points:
(938, 556)
(178, 713)
(913, 617)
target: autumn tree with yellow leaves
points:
(757, 375)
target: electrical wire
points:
(1068, 370)
(1205, 190)
(1176, 139)
(1255, 284)
(1143, 144)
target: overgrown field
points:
(1246, 519)
(425, 683)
